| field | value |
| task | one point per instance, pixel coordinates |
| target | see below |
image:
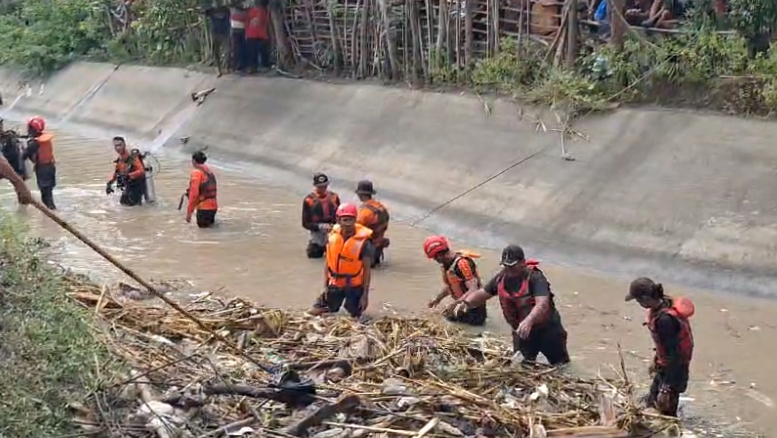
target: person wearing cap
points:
(459, 277)
(318, 214)
(528, 307)
(347, 271)
(203, 192)
(668, 320)
(373, 215)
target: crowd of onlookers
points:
(241, 37)
(664, 14)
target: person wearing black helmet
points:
(318, 215)
(528, 307)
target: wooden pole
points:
(572, 34)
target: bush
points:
(47, 351)
(40, 36)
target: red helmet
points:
(346, 210)
(434, 245)
(37, 123)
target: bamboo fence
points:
(411, 39)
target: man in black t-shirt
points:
(528, 306)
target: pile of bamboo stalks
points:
(388, 377)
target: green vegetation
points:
(698, 69)
(48, 353)
(41, 36)
(736, 73)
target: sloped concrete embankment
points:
(684, 197)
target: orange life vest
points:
(343, 261)
(45, 153)
(323, 208)
(457, 284)
(380, 218)
(681, 309)
(517, 306)
(208, 187)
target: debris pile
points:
(294, 375)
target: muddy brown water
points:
(257, 251)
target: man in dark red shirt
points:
(257, 36)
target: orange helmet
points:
(434, 245)
(37, 123)
(346, 210)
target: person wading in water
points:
(528, 306)
(668, 320)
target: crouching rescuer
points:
(528, 307)
(348, 267)
(668, 320)
(318, 215)
(129, 174)
(459, 276)
(202, 192)
(40, 150)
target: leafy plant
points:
(755, 20)
(40, 36)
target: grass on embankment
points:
(49, 355)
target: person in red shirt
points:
(257, 36)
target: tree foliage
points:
(40, 36)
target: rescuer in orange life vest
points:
(129, 174)
(527, 303)
(668, 320)
(318, 215)
(202, 192)
(459, 276)
(40, 150)
(375, 216)
(348, 267)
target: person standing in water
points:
(129, 174)
(348, 267)
(318, 215)
(528, 306)
(373, 215)
(202, 192)
(668, 320)
(40, 150)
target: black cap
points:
(641, 287)
(364, 187)
(512, 255)
(320, 178)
